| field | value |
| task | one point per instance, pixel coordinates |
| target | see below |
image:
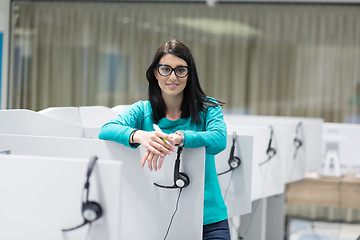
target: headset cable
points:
(172, 217)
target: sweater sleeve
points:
(214, 137)
(120, 128)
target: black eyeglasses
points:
(165, 70)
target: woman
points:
(187, 116)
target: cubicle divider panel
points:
(89, 118)
(312, 142)
(142, 203)
(86, 116)
(27, 122)
(96, 116)
(302, 158)
(267, 176)
(91, 132)
(93, 118)
(120, 108)
(236, 184)
(40, 196)
(68, 114)
(61, 146)
(188, 220)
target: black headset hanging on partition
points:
(181, 179)
(233, 161)
(298, 142)
(270, 151)
(90, 210)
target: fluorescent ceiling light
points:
(218, 26)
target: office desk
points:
(329, 198)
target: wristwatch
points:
(182, 135)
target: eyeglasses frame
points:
(172, 70)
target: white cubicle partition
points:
(267, 176)
(144, 201)
(96, 116)
(68, 114)
(305, 158)
(236, 184)
(42, 195)
(120, 108)
(143, 205)
(90, 118)
(268, 180)
(27, 122)
(341, 147)
(60, 147)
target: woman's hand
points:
(175, 137)
(154, 161)
(156, 147)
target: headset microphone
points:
(181, 180)
(270, 151)
(233, 161)
(90, 210)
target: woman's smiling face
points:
(171, 85)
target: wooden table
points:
(339, 192)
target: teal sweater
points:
(139, 116)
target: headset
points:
(270, 151)
(298, 142)
(234, 162)
(90, 210)
(181, 179)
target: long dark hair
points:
(194, 99)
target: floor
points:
(317, 230)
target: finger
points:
(170, 140)
(144, 157)
(154, 148)
(170, 146)
(160, 147)
(176, 139)
(166, 139)
(149, 159)
(161, 160)
(154, 162)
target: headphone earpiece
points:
(234, 162)
(297, 142)
(271, 152)
(183, 180)
(91, 211)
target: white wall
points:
(4, 29)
